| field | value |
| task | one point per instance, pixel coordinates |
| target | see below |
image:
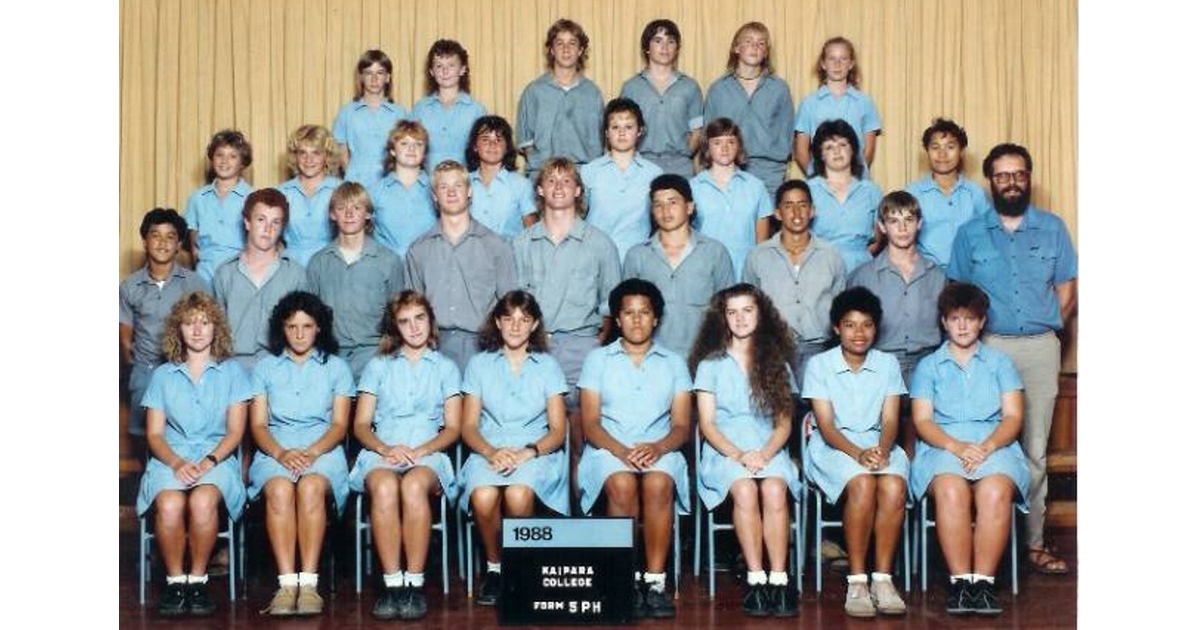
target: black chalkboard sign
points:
(567, 571)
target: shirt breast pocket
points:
(1041, 263)
(985, 263)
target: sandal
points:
(1045, 562)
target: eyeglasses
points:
(1004, 179)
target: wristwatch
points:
(533, 446)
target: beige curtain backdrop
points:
(1004, 69)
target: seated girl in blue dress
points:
(195, 417)
(408, 413)
(744, 393)
(967, 408)
(299, 416)
(514, 421)
(855, 392)
(636, 401)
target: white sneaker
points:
(858, 601)
(887, 600)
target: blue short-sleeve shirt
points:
(196, 410)
(729, 215)
(857, 397)
(217, 223)
(556, 121)
(942, 214)
(618, 201)
(854, 107)
(670, 116)
(449, 128)
(635, 402)
(502, 205)
(408, 392)
(965, 394)
(1019, 270)
(402, 213)
(308, 227)
(847, 225)
(301, 395)
(513, 404)
(364, 130)
(722, 377)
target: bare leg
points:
(621, 492)
(519, 500)
(747, 521)
(416, 487)
(485, 503)
(281, 522)
(658, 494)
(993, 517)
(890, 491)
(203, 502)
(384, 487)
(169, 529)
(775, 521)
(310, 519)
(858, 518)
(952, 495)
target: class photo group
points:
(620, 307)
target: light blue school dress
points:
(847, 225)
(409, 411)
(741, 423)
(635, 406)
(966, 405)
(402, 213)
(196, 422)
(729, 214)
(618, 202)
(218, 226)
(857, 399)
(365, 132)
(300, 398)
(503, 204)
(854, 106)
(449, 128)
(308, 226)
(513, 415)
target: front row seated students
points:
(514, 422)
(355, 275)
(460, 266)
(853, 455)
(501, 198)
(408, 412)
(249, 285)
(744, 391)
(968, 409)
(684, 264)
(800, 272)
(906, 282)
(195, 415)
(146, 298)
(637, 403)
(300, 413)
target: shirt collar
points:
(840, 365)
(825, 92)
(388, 105)
(182, 367)
(881, 263)
(1031, 221)
(983, 353)
(143, 274)
(391, 180)
(548, 79)
(576, 231)
(616, 348)
(675, 77)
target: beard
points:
(1014, 207)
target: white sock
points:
(493, 567)
(177, 579)
(977, 578)
(393, 580)
(881, 577)
(777, 578)
(288, 579)
(197, 579)
(415, 580)
(308, 579)
(656, 581)
(754, 578)
(962, 577)
(856, 578)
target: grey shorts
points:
(570, 351)
(459, 346)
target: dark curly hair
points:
(629, 287)
(859, 299)
(311, 305)
(490, 339)
(499, 126)
(770, 388)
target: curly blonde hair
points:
(319, 138)
(196, 303)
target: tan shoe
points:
(309, 602)
(858, 600)
(887, 600)
(283, 603)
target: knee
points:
(951, 492)
(170, 506)
(383, 488)
(774, 494)
(202, 504)
(518, 499)
(484, 499)
(657, 488)
(414, 491)
(280, 495)
(993, 495)
(892, 492)
(744, 493)
(311, 491)
(861, 490)
(621, 488)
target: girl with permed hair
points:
(299, 416)
(744, 391)
(514, 422)
(501, 198)
(313, 159)
(447, 105)
(193, 464)
(408, 414)
(362, 125)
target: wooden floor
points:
(1043, 602)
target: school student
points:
(447, 109)
(363, 124)
(838, 98)
(501, 197)
(403, 199)
(313, 157)
(213, 211)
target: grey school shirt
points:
(248, 308)
(910, 315)
(560, 122)
(704, 268)
(145, 306)
(764, 117)
(462, 280)
(670, 117)
(571, 280)
(357, 292)
(803, 293)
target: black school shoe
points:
(388, 602)
(960, 598)
(413, 606)
(174, 601)
(757, 603)
(782, 600)
(984, 600)
(199, 603)
(489, 593)
(658, 604)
